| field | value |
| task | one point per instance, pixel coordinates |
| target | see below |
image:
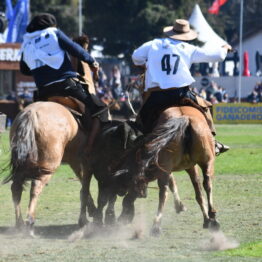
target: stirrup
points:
(220, 148)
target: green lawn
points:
(237, 197)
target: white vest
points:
(41, 48)
(168, 61)
(168, 64)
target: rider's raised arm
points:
(209, 54)
(140, 55)
(73, 48)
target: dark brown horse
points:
(181, 140)
(113, 144)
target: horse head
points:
(130, 176)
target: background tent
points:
(205, 33)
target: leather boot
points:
(220, 148)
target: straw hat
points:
(180, 31)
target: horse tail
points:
(172, 129)
(22, 144)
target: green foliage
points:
(65, 13)
(120, 26)
(253, 249)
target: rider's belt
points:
(157, 88)
(62, 84)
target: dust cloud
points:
(218, 241)
(118, 231)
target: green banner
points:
(230, 113)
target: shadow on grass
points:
(47, 232)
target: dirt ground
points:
(237, 198)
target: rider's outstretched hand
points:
(95, 68)
(228, 47)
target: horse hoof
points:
(124, 219)
(214, 225)
(20, 225)
(206, 225)
(110, 220)
(82, 222)
(155, 231)
(179, 207)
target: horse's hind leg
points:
(17, 188)
(163, 184)
(37, 186)
(194, 176)
(208, 172)
(179, 206)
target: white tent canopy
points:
(205, 33)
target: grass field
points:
(237, 197)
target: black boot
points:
(92, 107)
(220, 148)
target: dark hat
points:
(180, 31)
(40, 22)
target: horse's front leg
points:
(110, 216)
(86, 200)
(128, 208)
(37, 186)
(208, 172)
(179, 206)
(17, 188)
(163, 183)
(102, 200)
(194, 176)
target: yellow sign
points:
(230, 113)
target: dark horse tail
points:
(162, 134)
(23, 145)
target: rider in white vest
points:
(167, 77)
(45, 55)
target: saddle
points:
(75, 107)
(72, 104)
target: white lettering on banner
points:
(9, 54)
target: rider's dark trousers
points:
(159, 101)
(69, 87)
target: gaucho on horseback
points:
(45, 56)
(167, 77)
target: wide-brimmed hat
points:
(180, 31)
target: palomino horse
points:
(181, 140)
(42, 136)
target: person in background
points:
(115, 82)
(45, 55)
(167, 79)
(84, 74)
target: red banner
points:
(214, 9)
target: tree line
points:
(122, 25)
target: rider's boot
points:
(91, 122)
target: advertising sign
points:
(240, 113)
